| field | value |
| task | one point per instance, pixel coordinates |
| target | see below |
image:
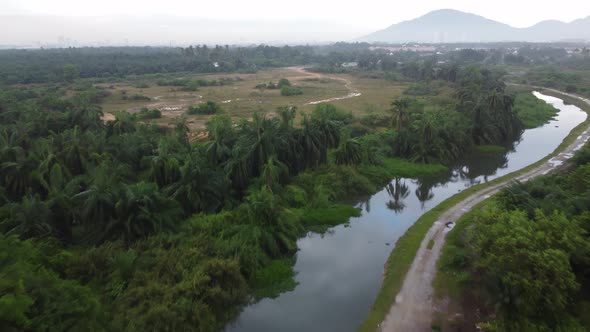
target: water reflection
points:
(339, 273)
(424, 192)
(397, 191)
(475, 168)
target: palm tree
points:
(10, 148)
(142, 210)
(311, 142)
(29, 218)
(199, 188)
(72, 150)
(400, 116)
(97, 202)
(425, 129)
(349, 153)
(86, 115)
(325, 129)
(181, 130)
(287, 115)
(262, 135)
(272, 171)
(17, 176)
(163, 170)
(238, 168)
(222, 137)
(124, 123)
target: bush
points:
(146, 113)
(208, 108)
(36, 298)
(174, 82)
(283, 82)
(138, 98)
(291, 91)
(421, 90)
(269, 85)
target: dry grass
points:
(241, 98)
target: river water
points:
(339, 273)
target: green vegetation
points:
(274, 279)
(532, 111)
(484, 115)
(137, 97)
(291, 91)
(544, 224)
(490, 148)
(193, 85)
(128, 225)
(146, 113)
(208, 108)
(571, 81)
(403, 254)
(422, 89)
(144, 230)
(430, 244)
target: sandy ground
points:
(347, 83)
(413, 307)
(176, 108)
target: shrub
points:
(421, 90)
(209, 107)
(291, 91)
(283, 82)
(146, 113)
(139, 98)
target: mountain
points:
(452, 26)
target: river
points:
(339, 273)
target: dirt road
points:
(347, 83)
(413, 308)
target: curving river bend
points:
(339, 273)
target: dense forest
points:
(62, 65)
(124, 225)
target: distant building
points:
(406, 47)
(350, 64)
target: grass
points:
(407, 246)
(430, 244)
(532, 111)
(274, 279)
(395, 167)
(319, 220)
(448, 281)
(239, 98)
(346, 182)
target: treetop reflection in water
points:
(340, 273)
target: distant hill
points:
(452, 26)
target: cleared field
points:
(240, 98)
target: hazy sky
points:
(373, 14)
(246, 21)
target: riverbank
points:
(406, 249)
(507, 225)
